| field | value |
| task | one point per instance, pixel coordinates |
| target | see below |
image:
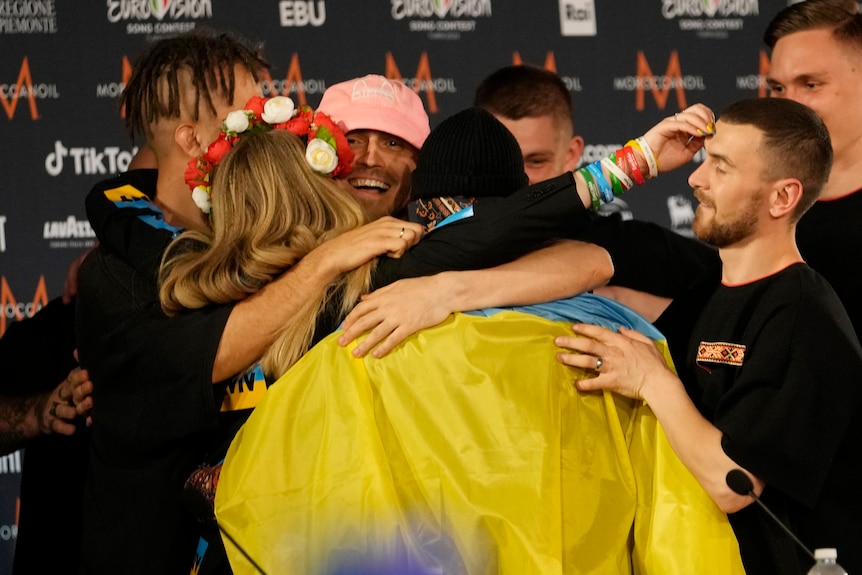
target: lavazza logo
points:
(28, 17)
(710, 18)
(453, 17)
(69, 233)
(136, 14)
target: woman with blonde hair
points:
(269, 209)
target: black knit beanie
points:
(469, 154)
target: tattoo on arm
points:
(14, 415)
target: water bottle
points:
(827, 563)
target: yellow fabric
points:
(466, 450)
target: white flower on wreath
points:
(202, 200)
(277, 110)
(321, 156)
(236, 122)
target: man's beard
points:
(724, 234)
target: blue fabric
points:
(586, 308)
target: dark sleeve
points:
(36, 353)
(152, 374)
(126, 221)
(787, 416)
(500, 230)
(651, 258)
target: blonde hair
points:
(269, 209)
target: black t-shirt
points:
(775, 365)
(154, 403)
(829, 236)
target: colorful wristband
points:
(632, 161)
(595, 199)
(615, 182)
(605, 188)
(616, 172)
(651, 161)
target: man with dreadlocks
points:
(152, 376)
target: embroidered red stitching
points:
(721, 352)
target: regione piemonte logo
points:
(28, 17)
(577, 18)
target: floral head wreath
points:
(327, 150)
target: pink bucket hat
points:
(377, 103)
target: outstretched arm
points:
(396, 311)
(254, 322)
(632, 366)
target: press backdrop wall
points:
(627, 63)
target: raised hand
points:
(676, 139)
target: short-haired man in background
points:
(817, 60)
(767, 358)
(535, 105)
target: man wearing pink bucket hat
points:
(386, 125)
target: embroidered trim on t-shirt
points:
(721, 352)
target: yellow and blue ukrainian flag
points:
(466, 450)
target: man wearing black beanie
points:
(468, 156)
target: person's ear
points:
(574, 153)
(785, 197)
(187, 138)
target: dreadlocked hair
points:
(206, 58)
(270, 209)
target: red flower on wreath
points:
(328, 152)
